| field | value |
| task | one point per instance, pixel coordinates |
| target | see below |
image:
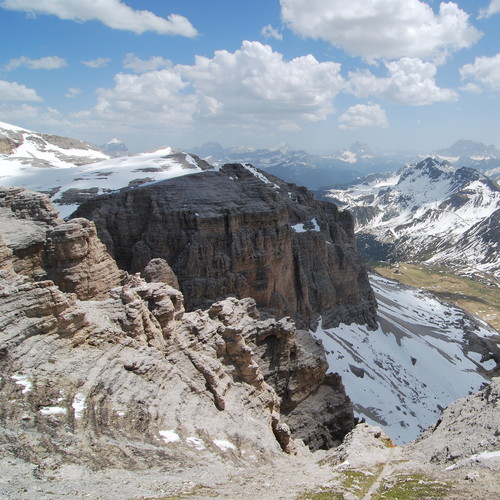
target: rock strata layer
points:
(105, 369)
(238, 231)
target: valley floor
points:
(478, 299)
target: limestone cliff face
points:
(107, 369)
(240, 232)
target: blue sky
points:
(316, 74)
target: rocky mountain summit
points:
(115, 148)
(238, 231)
(430, 212)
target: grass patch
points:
(359, 482)
(475, 297)
(355, 482)
(412, 487)
(322, 495)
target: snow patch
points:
(23, 381)
(78, 405)
(53, 410)
(224, 445)
(196, 442)
(301, 227)
(169, 436)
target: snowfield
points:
(38, 164)
(403, 374)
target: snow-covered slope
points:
(20, 147)
(430, 212)
(424, 355)
(71, 171)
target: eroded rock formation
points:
(120, 374)
(238, 231)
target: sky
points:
(314, 74)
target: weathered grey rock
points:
(364, 445)
(47, 248)
(99, 360)
(129, 381)
(467, 427)
(240, 232)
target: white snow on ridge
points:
(105, 176)
(14, 128)
(401, 375)
(425, 210)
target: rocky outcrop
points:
(103, 368)
(47, 248)
(468, 428)
(240, 232)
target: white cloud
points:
(138, 65)
(493, 8)
(382, 28)
(72, 92)
(485, 70)
(150, 98)
(410, 81)
(472, 88)
(270, 32)
(112, 13)
(363, 115)
(99, 62)
(35, 117)
(50, 62)
(248, 89)
(257, 83)
(13, 91)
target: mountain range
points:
(204, 320)
(186, 204)
(343, 166)
(429, 212)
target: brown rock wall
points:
(232, 233)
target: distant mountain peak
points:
(429, 212)
(115, 148)
(469, 149)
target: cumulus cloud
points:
(36, 117)
(270, 32)
(493, 8)
(138, 65)
(484, 70)
(50, 62)
(13, 91)
(410, 81)
(99, 62)
(72, 92)
(382, 28)
(113, 13)
(152, 97)
(256, 82)
(253, 86)
(363, 115)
